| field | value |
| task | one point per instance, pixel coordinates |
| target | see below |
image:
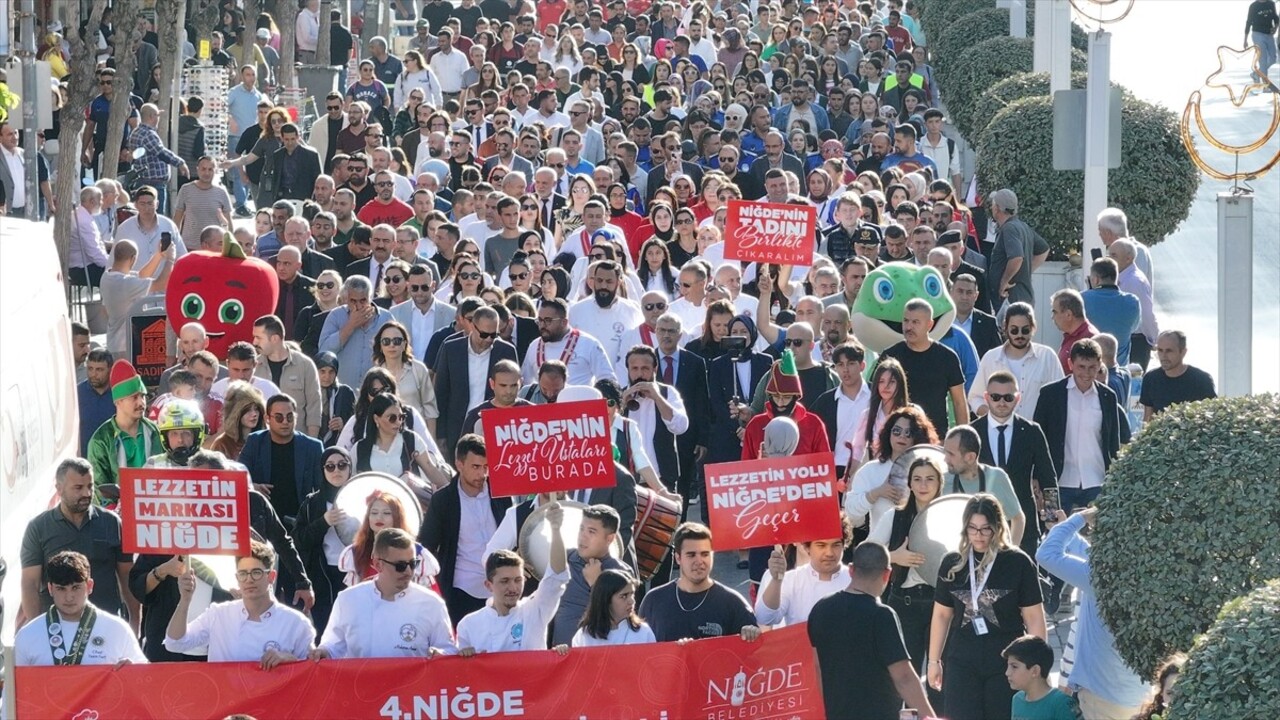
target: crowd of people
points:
(528, 206)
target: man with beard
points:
(551, 380)
(815, 377)
(645, 402)
(695, 606)
(653, 305)
(579, 242)
(730, 381)
(879, 150)
(853, 273)
(1032, 364)
(605, 316)
(583, 355)
(385, 207)
(835, 331)
(783, 390)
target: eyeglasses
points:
(393, 418)
(1018, 330)
(469, 276)
(486, 335)
(1002, 397)
(341, 465)
(650, 307)
(326, 285)
(901, 432)
(283, 417)
(515, 277)
(794, 342)
(388, 341)
(254, 574)
(598, 256)
(985, 531)
(403, 565)
(557, 166)
(547, 320)
(419, 288)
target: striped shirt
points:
(199, 209)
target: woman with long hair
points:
(317, 537)
(870, 492)
(376, 382)
(715, 327)
(417, 75)
(996, 590)
(569, 217)
(654, 268)
(567, 55)
(264, 149)
(384, 511)
(633, 67)
(407, 117)
(683, 245)
(531, 219)
(488, 79)
(611, 617)
(777, 36)
(311, 318)
(468, 279)
(1163, 688)
(387, 447)
(868, 110)
(888, 393)
(393, 351)
(244, 410)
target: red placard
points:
(721, 679)
(180, 511)
(774, 233)
(545, 448)
(773, 501)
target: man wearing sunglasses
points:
(1033, 365)
(281, 461)
(390, 615)
(252, 629)
(462, 368)
(385, 208)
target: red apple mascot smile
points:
(225, 293)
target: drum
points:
(898, 474)
(535, 537)
(656, 521)
(354, 499)
(936, 531)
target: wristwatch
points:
(156, 575)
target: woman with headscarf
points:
(820, 189)
(316, 535)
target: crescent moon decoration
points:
(1100, 4)
(1188, 141)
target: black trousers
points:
(1139, 350)
(915, 612)
(976, 690)
(461, 604)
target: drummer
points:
(510, 621)
(787, 596)
(967, 475)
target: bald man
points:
(191, 340)
(295, 288)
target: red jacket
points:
(813, 433)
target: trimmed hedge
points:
(1012, 89)
(1187, 522)
(961, 35)
(936, 16)
(1234, 669)
(1155, 183)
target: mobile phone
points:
(166, 239)
(1096, 253)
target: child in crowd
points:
(1028, 662)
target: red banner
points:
(544, 448)
(774, 233)
(773, 501)
(720, 679)
(179, 511)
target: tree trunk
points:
(287, 18)
(128, 33)
(251, 10)
(80, 90)
(204, 16)
(323, 49)
(171, 20)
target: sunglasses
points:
(282, 417)
(557, 166)
(794, 342)
(341, 465)
(901, 432)
(1018, 330)
(528, 207)
(1002, 397)
(419, 288)
(650, 307)
(384, 183)
(403, 565)
(514, 277)
(598, 256)
(393, 418)
(331, 108)
(469, 276)
(388, 341)
(326, 285)
(486, 335)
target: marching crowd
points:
(528, 206)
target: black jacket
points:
(440, 528)
(722, 386)
(983, 332)
(1051, 416)
(309, 531)
(300, 288)
(303, 182)
(453, 387)
(1027, 458)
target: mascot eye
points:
(231, 312)
(193, 306)
(933, 286)
(884, 290)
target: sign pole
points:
(1235, 293)
(1097, 138)
(31, 145)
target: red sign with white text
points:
(773, 501)
(723, 678)
(772, 233)
(545, 448)
(180, 511)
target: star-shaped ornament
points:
(1230, 62)
(985, 607)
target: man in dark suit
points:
(454, 392)
(549, 201)
(687, 373)
(733, 378)
(288, 485)
(670, 163)
(297, 166)
(1078, 406)
(1017, 446)
(461, 577)
(517, 330)
(295, 288)
(980, 326)
(775, 157)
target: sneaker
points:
(243, 212)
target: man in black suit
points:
(1078, 406)
(549, 201)
(460, 326)
(731, 380)
(667, 162)
(953, 241)
(1018, 446)
(455, 393)
(383, 240)
(687, 373)
(517, 330)
(980, 326)
(462, 576)
(297, 166)
(295, 288)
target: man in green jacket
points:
(128, 438)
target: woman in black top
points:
(987, 595)
(317, 518)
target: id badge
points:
(979, 626)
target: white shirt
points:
(523, 628)
(110, 641)
(942, 156)
(882, 532)
(554, 120)
(389, 461)
(477, 375)
(588, 362)
(646, 418)
(606, 324)
(232, 637)
(119, 292)
(868, 478)
(363, 625)
(148, 241)
(620, 635)
(264, 385)
(1082, 464)
(849, 415)
(691, 316)
(425, 575)
(476, 527)
(448, 67)
(801, 590)
(1034, 370)
(18, 172)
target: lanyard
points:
(974, 589)
(75, 653)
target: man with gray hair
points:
(350, 329)
(1017, 252)
(212, 238)
(1113, 225)
(687, 373)
(1133, 281)
(152, 168)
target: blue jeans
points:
(240, 190)
(1266, 44)
(1073, 499)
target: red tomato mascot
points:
(225, 293)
